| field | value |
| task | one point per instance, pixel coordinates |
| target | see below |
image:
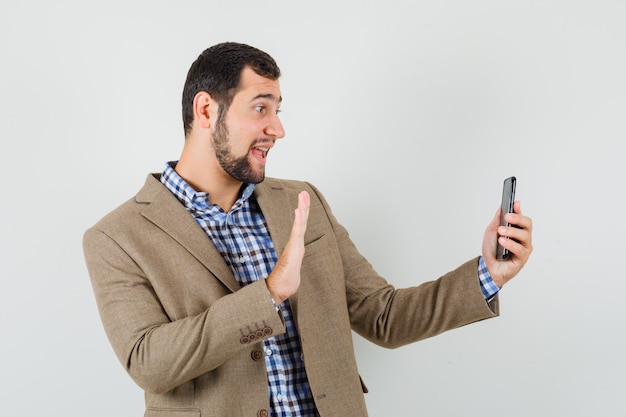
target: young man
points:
(227, 294)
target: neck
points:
(202, 172)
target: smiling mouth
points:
(260, 151)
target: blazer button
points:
(263, 413)
(251, 337)
(267, 331)
(243, 340)
(259, 333)
(257, 355)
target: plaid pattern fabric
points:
(242, 238)
(489, 288)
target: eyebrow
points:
(268, 96)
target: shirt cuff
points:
(488, 287)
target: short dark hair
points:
(218, 71)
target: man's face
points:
(243, 138)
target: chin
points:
(257, 179)
(251, 177)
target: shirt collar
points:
(196, 201)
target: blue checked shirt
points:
(242, 238)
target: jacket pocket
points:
(172, 412)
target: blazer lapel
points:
(168, 214)
(278, 212)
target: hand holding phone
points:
(508, 198)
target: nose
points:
(275, 128)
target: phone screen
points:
(508, 198)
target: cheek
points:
(243, 135)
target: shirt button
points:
(268, 352)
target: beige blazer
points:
(192, 338)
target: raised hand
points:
(284, 280)
(517, 239)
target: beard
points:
(240, 167)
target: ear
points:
(204, 110)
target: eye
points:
(261, 109)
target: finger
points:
(301, 215)
(520, 250)
(521, 236)
(518, 219)
(304, 204)
(520, 231)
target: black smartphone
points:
(508, 198)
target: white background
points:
(407, 115)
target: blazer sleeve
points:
(393, 317)
(160, 350)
